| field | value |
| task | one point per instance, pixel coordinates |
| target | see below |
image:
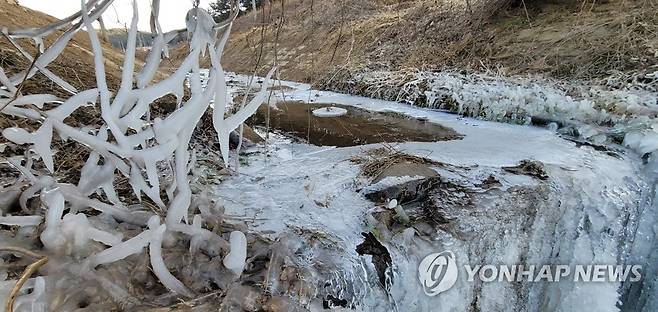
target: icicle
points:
(196, 239)
(122, 97)
(6, 82)
(77, 230)
(235, 260)
(122, 250)
(50, 236)
(21, 220)
(69, 106)
(132, 153)
(38, 65)
(101, 81)
(36, 99)
(220, 98)
(159, 268)
(152, 62)
(233, 122)
(41, 139)
(201, 236)
(34, 301)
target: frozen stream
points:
(596, 207)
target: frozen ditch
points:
(343, 222)
(502, 194)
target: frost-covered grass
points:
(610, 112)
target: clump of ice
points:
(330, 111)
(235, 260)
(40, 140)
(21, 220)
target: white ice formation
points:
(128, 144)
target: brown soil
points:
(358, 127)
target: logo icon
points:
(437, 272)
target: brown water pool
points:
(357, 127)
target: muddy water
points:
(357, 127)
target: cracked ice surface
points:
(595, 208)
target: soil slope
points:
(75, 64)
(320, 41)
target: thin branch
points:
(26, 252)
(527, 16)
(29, 270)
(20, 86)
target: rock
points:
(331, 301)
(490, 182)
(381, 258)
(403, 191)
(529, 168)
(409, 179)
(248, 135)
(407, 168)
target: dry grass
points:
(375, 161)
(572, 39)
(323, 42)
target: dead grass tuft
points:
(375, 161)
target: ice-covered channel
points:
(594, 207)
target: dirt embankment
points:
(75, 64)
(320, 41)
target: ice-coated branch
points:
(126, 141)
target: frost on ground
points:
(503, 194)
(484, 213)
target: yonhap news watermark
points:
(438, 272)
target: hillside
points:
(118, 37)
(75, 64)
(322, 41)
